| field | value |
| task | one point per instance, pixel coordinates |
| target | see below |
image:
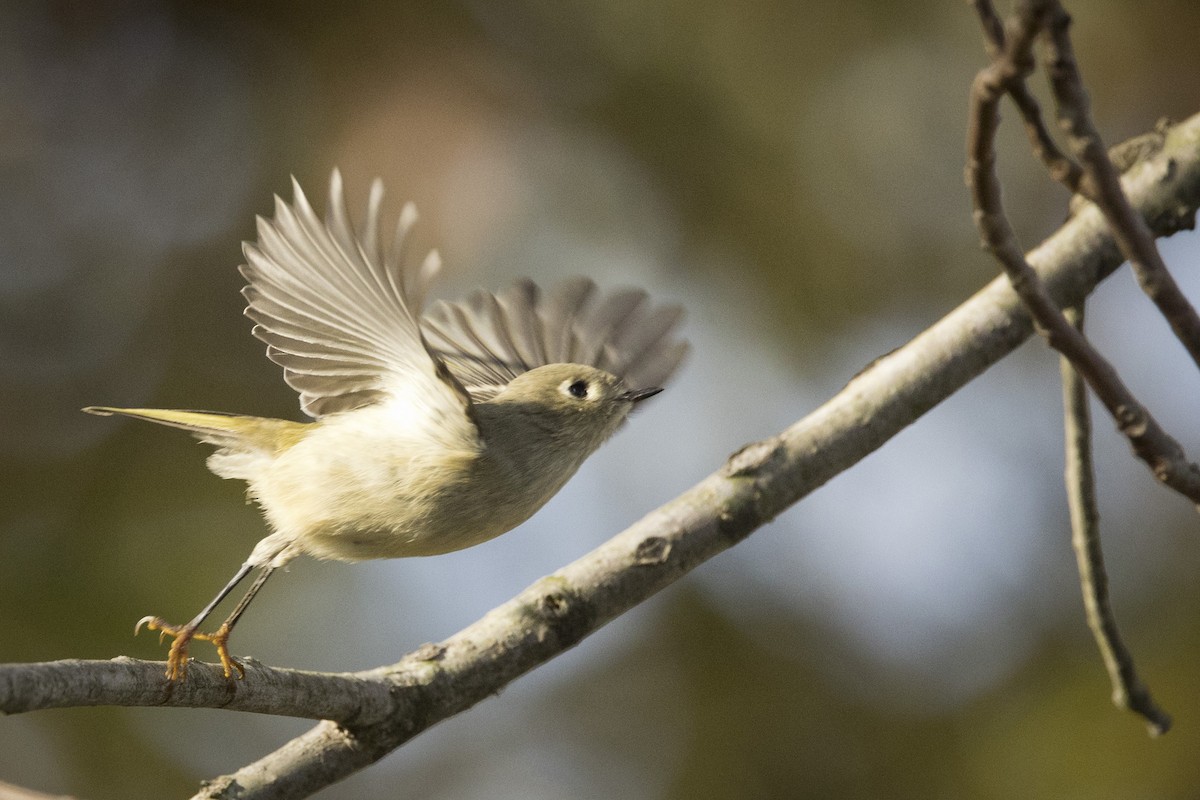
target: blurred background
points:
(790, 172)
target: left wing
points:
(340, 313)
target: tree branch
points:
(126, 681)
(757, 483)
(997, 43)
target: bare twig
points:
(993, 28)
(1128, 690)
(1150, 442)
(1098, 180)
(1101, 182)
(1060, 166)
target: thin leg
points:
(177, 658)
(220, 637)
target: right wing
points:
(489, 339)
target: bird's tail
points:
(233, 432)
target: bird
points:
(431, 430)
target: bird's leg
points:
(220, 637)
(178, 655)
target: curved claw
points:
(177, 657)
(162, 626)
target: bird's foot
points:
(220, 638)
(177, 657)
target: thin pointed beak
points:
(638, 395)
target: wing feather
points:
(340, 313)
(489, 339)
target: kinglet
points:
(432, 433)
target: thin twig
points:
(1101, 181)
(1011, 63)
(1128, 690)
(1060, 166)
(993, 28)
(1150, 442)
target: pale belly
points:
(386, 498)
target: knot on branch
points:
(755, 458)
(429, 652)
(1131, 420)
(651, 551)
(559, 613)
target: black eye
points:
(578, 389)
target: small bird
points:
(433, 432)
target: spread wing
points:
(489, 339)
(340, 313)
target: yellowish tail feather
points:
(234, 431)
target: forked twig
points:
(1101, 181)
(1150, 442)
(1011, 50)
(1061, 167)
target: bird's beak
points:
(637, 395)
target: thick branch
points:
(757, 484)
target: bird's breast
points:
(356, 497)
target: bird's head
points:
(568, 404)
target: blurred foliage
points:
(807, 154)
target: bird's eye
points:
(578, 389)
